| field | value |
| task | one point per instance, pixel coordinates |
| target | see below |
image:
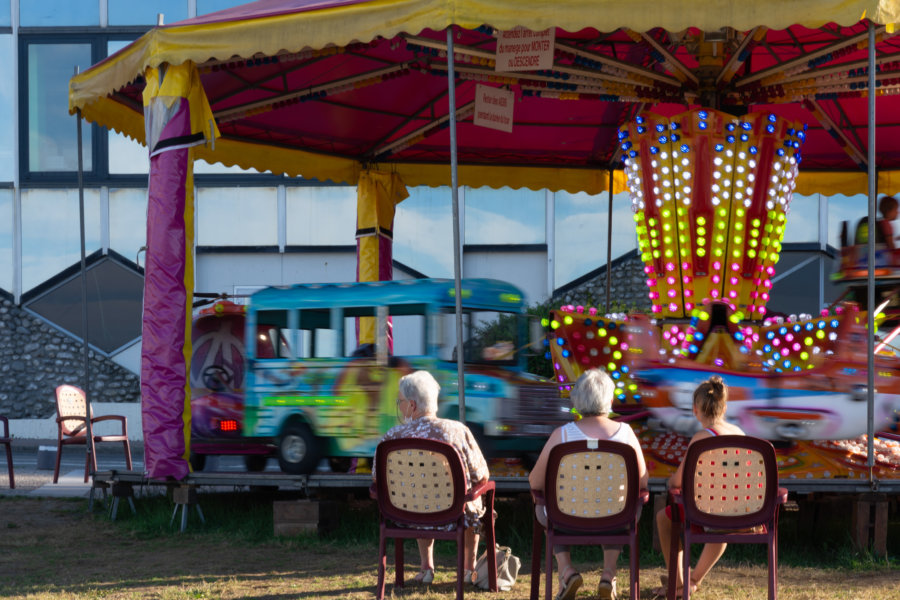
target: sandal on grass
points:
(606, 589)
(663, 590)
(425, 576)
(568, 586)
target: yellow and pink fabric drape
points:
(177, 117)
(378, 193)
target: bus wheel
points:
(255, 462)
(297, 453)
(198, 461)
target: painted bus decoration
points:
(285, 375)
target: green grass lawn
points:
(56, 549)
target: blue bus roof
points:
(476, 293)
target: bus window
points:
(490, 336)
(270, 334)
(351, 320)
(407, 327)
(318, 337)
(409, 335)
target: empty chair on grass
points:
(72, 410)
(6, 441)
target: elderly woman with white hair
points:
(592, 397)
(417, 404)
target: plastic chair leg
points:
(686, 568)
(548, 565)
(9, 465)
(460, 562)
(537, 532)
(382, 567)
(398, 562)
(633, 554)
(87, 465)
(58, 457)
(773, 567)
(127, 455)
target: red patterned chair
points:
(6, 441)
(421, 483)
(592, 495)
(71, 421)
(730, 494)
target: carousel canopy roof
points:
(325, 88)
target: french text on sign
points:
(493, 108)
(521, 49)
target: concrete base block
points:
(46, 458)
(297, 517)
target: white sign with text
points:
(494, 108)
(521, 49)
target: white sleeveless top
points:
(572, 433)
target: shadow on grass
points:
(817, 535)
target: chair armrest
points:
(119, 418)
(480, 489)
(81, 418)
(675, 496)
(538, 497)
(78, 431)
(782, 495)
(108, 418)
(5, 422)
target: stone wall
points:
(35, 358)
(628, 287)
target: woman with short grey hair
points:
(422, 389)
(593, 394)
(592, 397)
(417, 405)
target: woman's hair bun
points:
(716, 382)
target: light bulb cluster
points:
(580, 339)
(799, 344)
(710, 193)
(778, 345)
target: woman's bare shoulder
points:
(730, 429)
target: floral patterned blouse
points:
(460, 437)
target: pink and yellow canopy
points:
(327, 88)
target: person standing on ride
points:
(889, 207)
(417, 405)
(710, 403)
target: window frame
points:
(98, 40)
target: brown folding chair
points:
(421, 483)
(71, 420)
(592, 496)
(6, 441)
(730, 495)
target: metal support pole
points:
(870, 308)
(457, 267)
(609, 224)
(84, 311)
